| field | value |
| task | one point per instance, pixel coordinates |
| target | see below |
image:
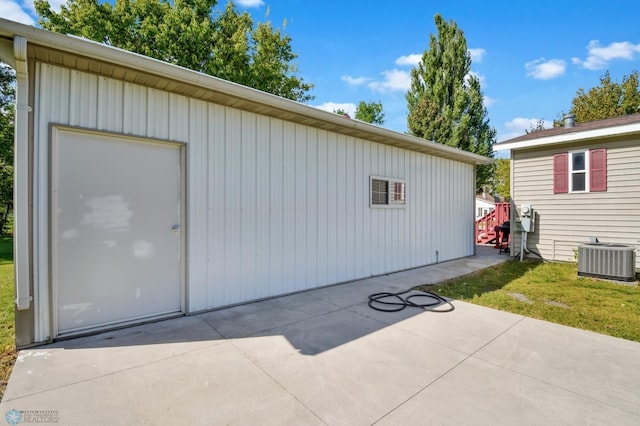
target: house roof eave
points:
(577, 135)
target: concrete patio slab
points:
(247, 320)
(480, 393)
(467, 331)
(213, 385)
(355, 382)
(325, 357)
(600, 367)
(72, 361)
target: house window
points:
(579, 179)
(580, 171)
(387, 192)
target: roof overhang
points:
(85, 55)
(578, 136)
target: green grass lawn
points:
(7, 318)
(552, 292)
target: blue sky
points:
(531, 57)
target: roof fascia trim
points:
(578, 136)
(80, 46)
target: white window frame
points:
(390, 203)
(586, 171)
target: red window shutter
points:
(598, 170)
(561, 173)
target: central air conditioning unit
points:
(607, 261)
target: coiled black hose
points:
(395, 302)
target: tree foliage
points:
(226, 44)
(445, 101)
(370, 112)
(7, 109)
(608, 100)
(502, 178)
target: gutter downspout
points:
(21, 176)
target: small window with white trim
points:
(579, 175)
(387, 192)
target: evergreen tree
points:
(445, 101)
(186, 33)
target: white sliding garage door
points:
(116, 217)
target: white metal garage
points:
(145, 190)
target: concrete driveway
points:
(325, 357)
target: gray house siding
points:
(563, 221)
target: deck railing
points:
(485, 232)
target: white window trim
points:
(587, 171)
(390, 205)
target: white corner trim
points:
(21, 176)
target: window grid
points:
(388, 192)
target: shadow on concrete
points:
(312, 321)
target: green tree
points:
(7, 108)
(608, 100)
(445, 101)
(502, 178)
(188, 33)
(370, 112)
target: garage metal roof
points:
(85, 55)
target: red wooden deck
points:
(485, 233)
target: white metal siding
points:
(563, 221)
(273, 206)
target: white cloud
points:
(477, 54)
(519, 126)
(409, 60)
(55, 4)
(488, 101)
(28, 5)
(394, 80)
(355, 81)
(14, 12)
(541, 69)
(349, 108)
(250, 3)
(599, 57)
